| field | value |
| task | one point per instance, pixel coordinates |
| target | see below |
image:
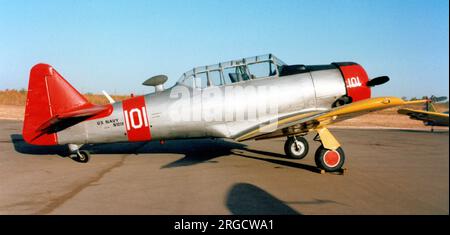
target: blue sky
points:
(116, 45)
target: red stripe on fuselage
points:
(355, 82)
(136, 119)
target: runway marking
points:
(58, 201)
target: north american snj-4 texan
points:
(253, 98)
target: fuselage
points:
(216, 111)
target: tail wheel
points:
(82, 156)
(296, 148)
(330, 160)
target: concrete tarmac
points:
(389, 172)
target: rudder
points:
(49, 94)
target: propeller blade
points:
(377, 81)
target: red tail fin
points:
(49, 95)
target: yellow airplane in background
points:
(429, 115)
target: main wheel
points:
(82, 156)
(330, 160)
(296, 149)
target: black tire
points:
(84, 158)
(291, 150)
(332, 165)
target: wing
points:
(315, 120)
(425, 115)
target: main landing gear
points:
(296, 147)
(78, 155)
(329, 156)
(328, 159)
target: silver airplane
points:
(254, 98)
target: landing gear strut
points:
(296, 147)
(78, 155)
(329, 156)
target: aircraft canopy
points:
(232, 71)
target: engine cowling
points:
(355, 78)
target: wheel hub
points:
(331, 158)
(81, 156)
(297, 148)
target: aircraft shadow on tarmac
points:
(275, 161)
(249, 199)
(194, 150)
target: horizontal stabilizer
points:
(66, 119)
